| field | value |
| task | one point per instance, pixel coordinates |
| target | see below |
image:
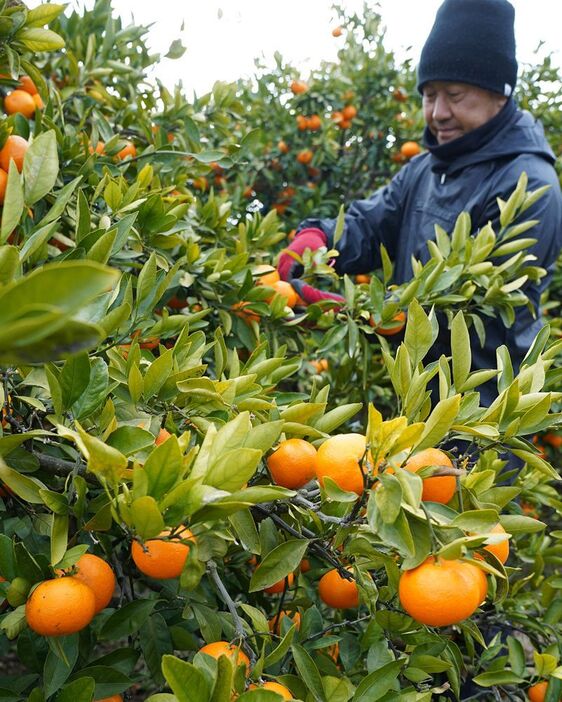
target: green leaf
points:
(59, 537)
(102, 460)
(164, 467)
(460, 346)
(40, 167)
(130, 440)
(279, 651)
(419, 336)
(157, 373)
(9, 263)
(39, 17)
(74, 379)
(378, 683)
(233, 469)
(497, 677)
(278, 563)
(24, 486)
(439, 422)
(389, 498)
(36, 39)
(146, 517)
(185, 680)
(127, 620)
(81, 690)
(308, 672)
(13, 203)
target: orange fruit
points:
(390, 328)
(13, 150)
(224, 648)
(97, 574)
(279, 586)
(275, 622)
(60, 607)
(337, 32)
(268, 278)
(298, 87)
(302, 123)
(246, 315)
(3, 184)
(28, 85)
(410, 148)
(293, 463)
(320, 365)
(161, 559)
(440, 488)
(554, 440)
(19, 101)
(39, 104)
(113, 698)
(441, 592)
(314, 123)
(501, 550)
(399, 95)
(163, 434)
(349, 112)
(338, 592)
(337, 116)
(537, 692)
(362, 278)
(338, 458)
(285, 289)
(99, 148)
(283, 147)
(129, 150)
(200, 183)
(305, 565)
(305, 156)
(274, 687)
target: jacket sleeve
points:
(368, 224)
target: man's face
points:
(451, 110)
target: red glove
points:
(311, 295)
(310, 238)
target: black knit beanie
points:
(472, 41)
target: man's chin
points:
(446, 136)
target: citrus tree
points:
(190, 511)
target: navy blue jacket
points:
(430, 190)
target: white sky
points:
(224, 48)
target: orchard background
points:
(247, 474)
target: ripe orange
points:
(305, 156)
(302, 123)
(298, 87)
(314, 123)
(97, 575)
(274, 687)
(362, 278)
(537, 692)
(285, 289)
(441, 592)
(283, 147)
(60, 607)
(279, 586)
(305, 565)
(13, 150)
(338, 592)
(320, 365)
(163, 434)
(239, 309)
(19, 101)
(200, 183)
(440, 488)
(38, 101)
(338, 458)
(28, 85)
(129, 150)
(3, 184)
(113, 698)
(349, 112)
(554, 440)
(99, 149)
(267, 278)
(224, 648)
(293, 463)
(410, 148)
(501, 550)
(161, 559)
(394, 327)
(345, 124)
(275, 621)
(337, 32)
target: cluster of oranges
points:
(25, 99)
(344, 117)
(426, 592)
(312, 123)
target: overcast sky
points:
(223, 37)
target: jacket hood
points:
(511, 133)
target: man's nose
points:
(441, 110)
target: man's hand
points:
(310, 238)
(311, 295)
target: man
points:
(478, 144)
